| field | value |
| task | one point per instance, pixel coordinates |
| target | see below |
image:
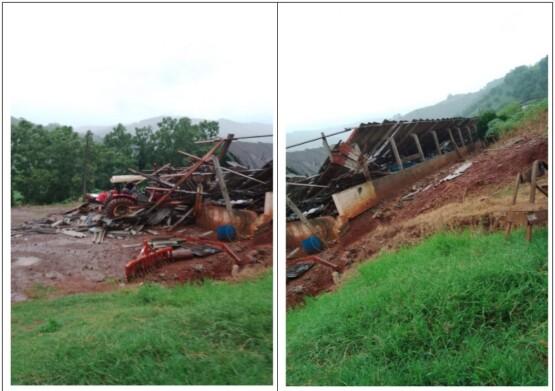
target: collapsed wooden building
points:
(376, 161)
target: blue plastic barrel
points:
(312, 244)
(226, 233)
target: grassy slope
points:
(459, 309)
(217, 333)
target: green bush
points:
(492, 125)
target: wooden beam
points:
(186, 175)
(396, 153)
(181, 219)
(223, 187)
(418, 146)
(469, 133)
(533, 182)
(460, 136)
(436, 142)
(152, 178)
(454, 142)
(226, 145)
(305, 185)
(223, 168)
(299, 214)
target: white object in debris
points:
(73, 234)
(127, 178)
(458, 171)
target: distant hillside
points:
(454, 105)
(240, 129)
(522, 84)
(306, 162)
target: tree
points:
(144, 147)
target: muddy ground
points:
(478, 199)
(56, 264)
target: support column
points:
(459, 131)
(418, 146)
(396, 152)
(436, 141)
(469, 133)
(223, 187)
(454, 142)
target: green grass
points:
(214, 333)
(458, 309)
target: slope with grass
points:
(458, 309)
(215, 333)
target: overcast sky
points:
(98, 64)
(349, 63)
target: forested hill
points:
(523, 84)
(453, 105)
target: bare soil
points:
(56, 264)
(477, 199)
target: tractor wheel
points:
(118, 207)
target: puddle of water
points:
(26, 261)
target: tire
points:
(118, 207)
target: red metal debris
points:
(148, 258)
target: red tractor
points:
(124, 197)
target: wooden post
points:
(198, 200)
(396, 152)
(533, 182)
(517, 184)
(418, 146)
(326, 145)
(460, 136)
(223, 187)
(226, 145)
(436, 141)
(452, 138)
(469, 133)
(454, 142)
(299, 214)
